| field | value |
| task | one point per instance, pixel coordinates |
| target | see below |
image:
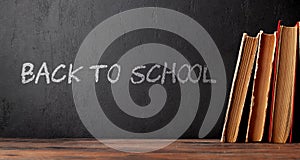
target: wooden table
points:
(181, 149)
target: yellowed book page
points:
(261, 88)
(240, 88)
(285, 83)
(232, 86)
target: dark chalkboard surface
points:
(52, 31)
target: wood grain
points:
(181, 149)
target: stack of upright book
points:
(265, 76)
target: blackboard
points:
(52, 31)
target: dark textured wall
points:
(52, 31)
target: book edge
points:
(254, 78)
(274, 79)
(254, 83)
(233, 84)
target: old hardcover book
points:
(240, 84)
(261, 88)
(282, 105)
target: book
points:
(283, 88)
(261, 88)
(239, 89)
